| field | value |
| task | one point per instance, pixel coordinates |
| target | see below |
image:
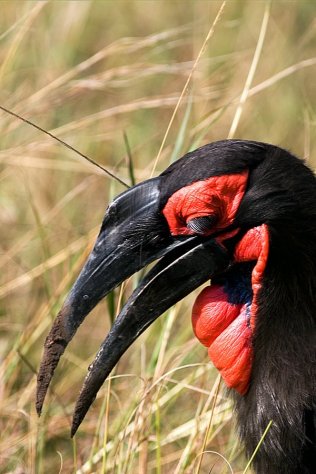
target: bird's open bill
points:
(133, 234)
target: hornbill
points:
(243, 214)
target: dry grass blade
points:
(62, 142)
(214, 396)
(53, 213)
(252, 71)
(28, 19)
(271, 81)
(208, 36)
(126, 45)
(258, 447)
(52, 262)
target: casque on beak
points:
(134, 233)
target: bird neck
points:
(283, 380)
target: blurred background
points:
(107, 78)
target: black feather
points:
(214, 159)
(282, 193)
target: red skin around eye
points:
(219, 195)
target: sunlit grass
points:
(107, 77)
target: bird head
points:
(208, 216)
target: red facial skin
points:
(218, 195)
(225, 328)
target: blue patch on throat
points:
(237, 283)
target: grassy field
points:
(144, 81)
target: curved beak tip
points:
(93, 382)
(79, 415)
(55, 345)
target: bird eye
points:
(202, 224)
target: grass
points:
(110, 78)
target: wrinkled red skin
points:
(225, 328)
(218, 195)
(254, 246)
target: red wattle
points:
(223, 328)
(254, 246)
(211, 314)
(227, 328)
(231, 353)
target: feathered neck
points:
(283, 381)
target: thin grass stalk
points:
(252, 70)
(130, 164)
(65, 144)
(218, 384)
(257, 447)
(208, 37)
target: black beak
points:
(133, 234)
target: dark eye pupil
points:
(202, 224)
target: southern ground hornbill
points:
(242, 213)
